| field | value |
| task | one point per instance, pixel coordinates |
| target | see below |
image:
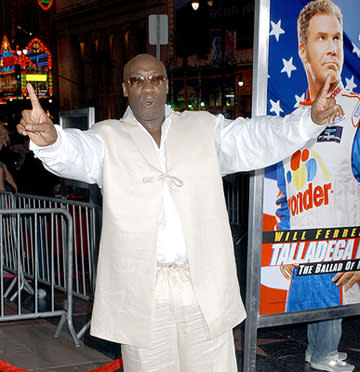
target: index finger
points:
(33, 98)
(344, 278)
(337, 276)
(325, 88)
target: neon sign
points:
(34, 63)
(8, 57)
(10, 85)
(37, 65)
(45, 4)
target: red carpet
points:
(6, 367)
(109, 367)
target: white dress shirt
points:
(243, 144)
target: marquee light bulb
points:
(195, 5)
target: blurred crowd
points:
(20, 171)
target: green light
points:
(202, 104)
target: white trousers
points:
(181, 341)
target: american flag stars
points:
(275, 107)
(350, 83)
(276, 30)
(288, 66)
(299, 99)
(287, 83)
(356, 50)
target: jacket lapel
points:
(178, 143)
(142, 142)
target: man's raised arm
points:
(70, 153)
(247, 144)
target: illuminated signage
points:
(33, 63)
(8, 61)
(38, 66)
(36, 77)
(45, 4)
(10, 84)
(8, 57)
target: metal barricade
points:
(85, 242)
(236, 187)
(23, 225)
(7, 201)
(236, 191)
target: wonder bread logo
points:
(304, 165)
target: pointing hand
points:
(324, 109)
(35, 123)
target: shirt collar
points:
(164, 128)
(128, 112)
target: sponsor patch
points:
(331, 134)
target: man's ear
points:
(124, 88)
(302, 53)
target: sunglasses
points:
(140, 81)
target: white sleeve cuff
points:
(48, 149)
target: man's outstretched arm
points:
(70, 154)
(247, 144)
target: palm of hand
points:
(38, 116)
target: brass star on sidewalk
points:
(238, 337)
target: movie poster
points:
(311, 215)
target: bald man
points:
(166, 286)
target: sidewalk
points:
(31, 345)
(282, 349)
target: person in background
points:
(7, 181)
(30, 175)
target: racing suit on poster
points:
(320, 187)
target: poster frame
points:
(254, 320)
